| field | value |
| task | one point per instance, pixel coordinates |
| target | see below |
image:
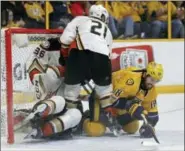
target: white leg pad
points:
(71, 118)
(59, 102)
(45, 85)
(72, 92)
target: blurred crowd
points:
(128, 19)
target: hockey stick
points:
(28, 118)
(24, 122)
(150, 128)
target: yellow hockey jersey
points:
(126, 84)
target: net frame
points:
(9, 73)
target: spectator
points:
(178, 18)
(36, 14)
(136, 11)
(78, 8)
(13, 14)
(158, 15)
(121, 22)
(60, 17)
(145, 26)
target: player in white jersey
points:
(49, 116)
(91, 58)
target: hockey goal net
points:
(16, 89)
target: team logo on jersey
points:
(45, 44)
(130, 82)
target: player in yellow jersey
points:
(135, 94)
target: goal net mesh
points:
(20, 45)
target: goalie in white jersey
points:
(91, 58)
(49, 116)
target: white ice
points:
(170, 131)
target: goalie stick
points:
(28, 118)
(150, 127)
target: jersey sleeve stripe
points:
(65, 45)
(79, 42)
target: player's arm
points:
(70, 32)
(109, 41)
(67, 37)
(152, 109)
(123, 90)
(152, 118)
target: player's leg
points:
(76, 68)
(46, 83)
(101, 75)
(54, 105)
(129, 125)
(92, 125)
(58, 125)
(40, 111)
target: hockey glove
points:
(63, 56)
(145, 131)
(135, 109)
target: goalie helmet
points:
(155, 70)
(98, 11)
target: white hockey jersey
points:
(43, 55)
(90, 33)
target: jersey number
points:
(38, 52)
(153, 104)
(96, 28)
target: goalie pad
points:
(46, 84)
(40, 111)
(54, 105)
(68, 120)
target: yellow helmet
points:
(155, 70)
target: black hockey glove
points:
(62, 60)
(63, 56)
(145, 131)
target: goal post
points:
(9, 56)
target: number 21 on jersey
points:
(98, 28)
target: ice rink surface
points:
(170, 131)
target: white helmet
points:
(98, 11)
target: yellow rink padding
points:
(160, 89)
(170, 89)
(19, 98)
(28, 97)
